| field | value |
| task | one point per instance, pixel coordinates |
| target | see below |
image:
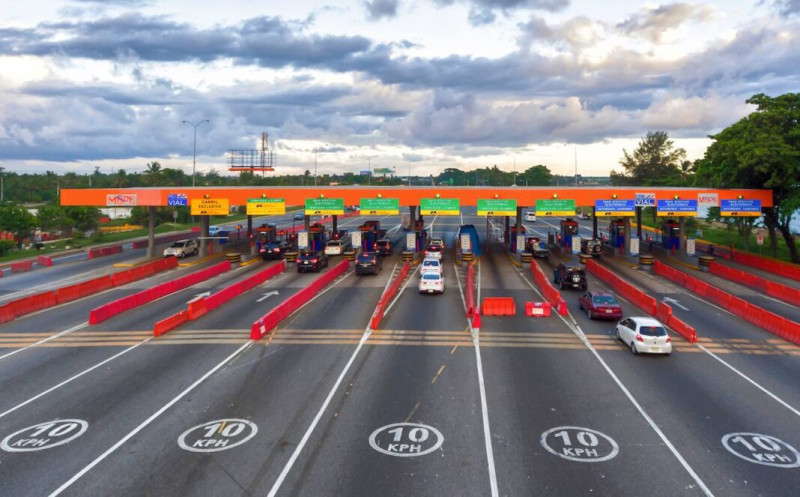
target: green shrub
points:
(6, 246)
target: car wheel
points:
(633, 348)
(195, 252)
(616, 332)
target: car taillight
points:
(669, 339)
(313, 260)
(263, 250)
(639, 338)
(276, 249)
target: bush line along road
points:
(426, 404)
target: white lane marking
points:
(487, 432)
(149, 420)
(747, 378)
(75, 377)
(267, 295)
(74, 328)
(579, 333)
(672, 301)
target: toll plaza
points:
(618, 204)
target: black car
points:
(368, 263)
(384, 247)
(299, 217)
(274, 250)
(593, 247)
(570, 275)
(311, 261)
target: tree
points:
(16, 219)
(535, 176)
(655, 161)
(153, 173)
(52, 217)
(83, 218)
(762, 150)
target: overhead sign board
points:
(613, 208)
(677, 208)
(439, 206)
(497, 207)
(266, 206)
(324, 206)
(644, 200)
(707, 200)
(210, 207)
(380, 206)
(555, 207)
(177, 199)
(747, 208)
(121, 199)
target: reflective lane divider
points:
(771, 288)
(272, 319)
(659, 310)
(100, 314)
(775, 324)
(387, 296)
(201, 307)
(550, 293)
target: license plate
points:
(431, 290)
(306, 262)
(609, 311)
(655, 349)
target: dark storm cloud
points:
(377, 9)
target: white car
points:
(530, 216)
(431, 283)
(644, 335)
(182, 248)
(430, 265)
(336, 247)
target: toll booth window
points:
(572, 229)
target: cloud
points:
(788, 7)
(124, 3)
(484, 11)
(377, 9)
(653, 22)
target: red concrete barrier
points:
(32, 303)
(388, 295)
(169, 323)
(44, 261)
(103, 251)
(469, 291)
(771, 288)
(499, 306)
(6, 314)
(550, 293)
(21, 266)
(270, 320)
(785, 269)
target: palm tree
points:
(153, 172)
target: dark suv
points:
(311, 261)
(383, 247)
(593, 247)
(368, 263)
(570, 275)
(274, 250)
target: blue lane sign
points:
(644, 199)
(740, 207)
(177, 199)
(607, 208)
(678, 207)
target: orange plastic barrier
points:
(44, 261)
(387, 296)
(537, 309)
(469, 291)
(171, 322)
(550, 293)
(22, 266)
(100, 314)
(32, 303)
(499, 306)
(785, 269)
(778, 325)
(103, 251)
(270, 320)
(771, 288)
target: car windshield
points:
(430, 276)
(178, 244)
(430, 263)
(652, 331)
(366, 258)
(604, 299)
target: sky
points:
(413, 85)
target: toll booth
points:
(512, 237)
(422, 234)
(671, 235)
(617, 233)
(266, 233)
(569, 228)
(371, 232)
(317, 237)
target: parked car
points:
(435, 240)
(530, 216)
(431, 265)
(571, 275)
(434, 251)
(212, 230)
(384, 247)
(537, 247)
(600, 304)
(311, 261)
(182, 248)
(368, 263)
(274, 250)
(644, 335)
(593, 247)
(299, 216)
(337, 247)
(431, 283)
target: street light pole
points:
(576, 165)
(369, 166)
(194, 144)
(515, 170)
(316, 149)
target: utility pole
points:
(194, 144)
(576, 165)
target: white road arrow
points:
(199, 296)
(267, 295)
(674, 302)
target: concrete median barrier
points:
(548, 291)
(44, 261)
(388, 295)
(21, 266)
(104, 251)
(785, 269)
(771, 288)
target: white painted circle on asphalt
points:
(406, 439)
(579, 444)
(217, 435)
(44, 435)
(762, 449)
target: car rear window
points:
(430, 263)
(366, 258)
(434, 248)
(430, 276)
(652, 331)
(604, 299)
(334, 243)
(178, 244)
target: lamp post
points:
(576, 165)
(515, 170)
(316, 149)
(369, 166)
(194, 144)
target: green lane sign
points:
(497, 207)
(380, 206)
(439, 206)
(324, 206)
(266, 206)
(555, 207)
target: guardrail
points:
(272, 319)
(778, 325)
(388, 294)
